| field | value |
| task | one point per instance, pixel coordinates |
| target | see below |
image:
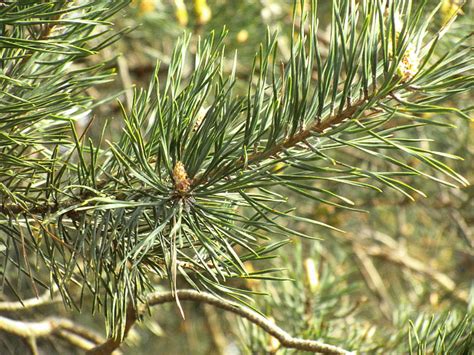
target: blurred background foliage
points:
(399, 280)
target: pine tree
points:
(195, 196)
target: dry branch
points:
(285, 339)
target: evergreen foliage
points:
(195, 187)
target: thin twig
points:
(126, 80)
(64, 328)
(45, 298)
(285, 339)
(109, 346)
(374, 281)
(217, 335)
(407, 261)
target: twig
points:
(64, 328)
(45, 298)
(126, 80)
(31, 342)
(463, 227)
(212, 322)
(283, 337)
(76, 340)
(112, 344)
(318, 126)
(392, 252)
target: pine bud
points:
(408, 66)
(145, 6)
(180, 177)
(200, 117)
(278, 168)
(410, 62)
(252, 283)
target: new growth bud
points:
(180, 177)
(200, 117)
(410, 62)
(408, 66)
(311, 274)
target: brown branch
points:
(75, 340)
(29, 303)
(374, 281)
(393, 252)
(112, 344)
(217, 335)
(64, 328)
(407, 261)
(285, 339)
(318, 126)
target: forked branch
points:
(63, 328)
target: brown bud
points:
(180, 177)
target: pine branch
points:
(43, 35)
(108, 347)
(319, 126)
(285, 339)
(183, 191)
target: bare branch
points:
(285, 339)
(407, 261)
(112, 344)
(64, 328)
(45, 298)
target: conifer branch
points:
(43, 35)
(318, 126)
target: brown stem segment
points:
(112, 344)
(317, 126)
